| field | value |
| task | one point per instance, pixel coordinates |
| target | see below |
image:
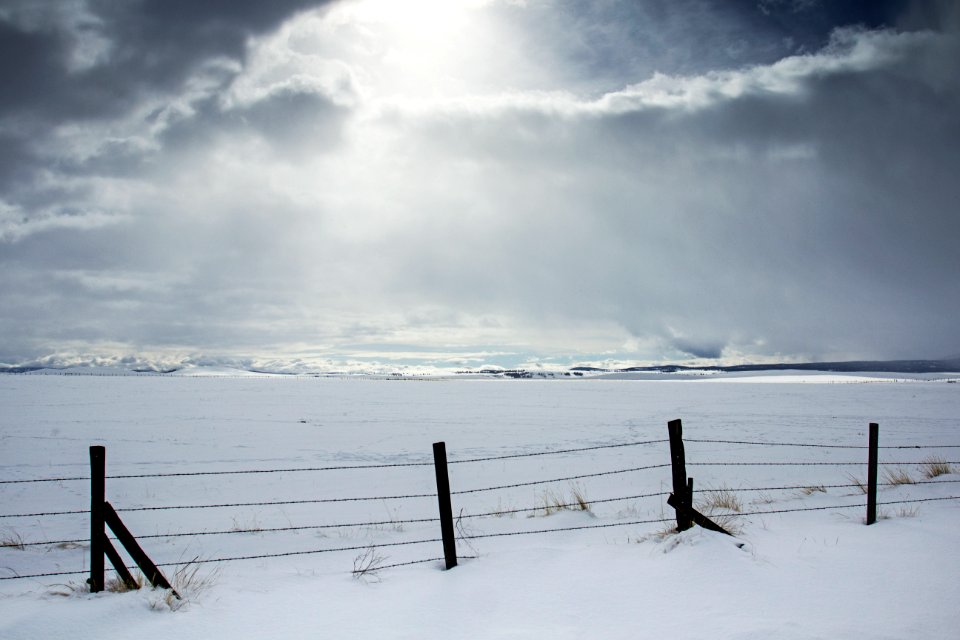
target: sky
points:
(466, 183)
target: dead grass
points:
(935, 466)
(68, 589)
(553, 502)
(897, 476)
(722, 499)
(860, 484)
(809, 491)
(902, 512)
(188, 583)
(116, 585)
(12, 540)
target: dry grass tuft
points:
(809, 491)
(553, 502)
(722, 499)
(12, 540)
(860, 484)
(722, 506)
(116, 585)
(188, 585)
(897, 476)
(902, 512)
(935, 466)
(68, 589)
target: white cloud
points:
(15, 224)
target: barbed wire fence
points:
(469, 514)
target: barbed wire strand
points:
(804, 464)
(578, 477)
(238, 558)
(816, 487)
(334, 468)
(588, 526)
(822, 446)
(44, 513)
(396, 564)
(42, 480)
(577, 505)
(291, 528)
(859, 505)
(277, 502)
(557, 451)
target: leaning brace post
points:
(130, 543)
(872, 473)
(678, 461)
(118, 564)
(98, 466)
(443, 498)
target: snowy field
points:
(613, 571)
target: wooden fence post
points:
(872, 464)
(443, 498)
(98, 466)
(678, 460)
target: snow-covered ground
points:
(802, 574)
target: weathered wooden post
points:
(98, 467)
(130, 543)
(679, 468)
(443, 499)
(872, 463)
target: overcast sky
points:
(467, 182)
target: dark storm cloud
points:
(148, 45)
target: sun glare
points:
(420, 46)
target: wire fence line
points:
(823, 446)
(260, 556)
(817, 487)
(472, 460)
(569, 505)
(499, 512)
(606, 525)
(392, 465)
(806, 464)
(45, 513)
(858, 505)
(566, 478)
(557, 451)
(474, 537)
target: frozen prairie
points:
(803, 564)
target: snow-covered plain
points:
(807, 574)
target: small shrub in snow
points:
(367, 564)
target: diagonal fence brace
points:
(698, 518)
(118, 563)
(126, 538)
